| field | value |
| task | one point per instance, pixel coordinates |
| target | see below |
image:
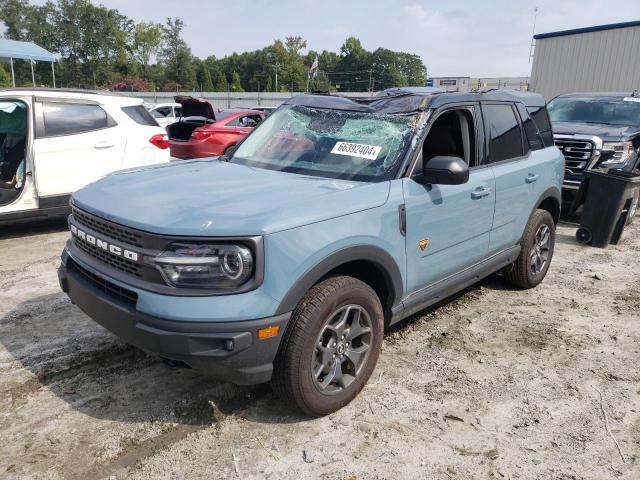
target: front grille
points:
(577, 153)
(114, 291)
(121, 234)
(119, 263)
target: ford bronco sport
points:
(595, 130)
(335, 218)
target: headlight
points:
(206, 265)
(616, 154)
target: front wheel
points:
(330, 347)
(535, 256)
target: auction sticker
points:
(361, 150)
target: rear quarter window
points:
(540, 118)
(73, 118)
(140, 115)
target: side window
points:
(505, 135)
(540, 117)
(162, 112)
(452, 134)
(178, 111)
(233, 123)
(140, 115)
(532, 136)
(72, 118)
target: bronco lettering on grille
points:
(104, 245)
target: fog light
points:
(268, 332)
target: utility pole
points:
(533, 32)
(276, 67)
(370, 82)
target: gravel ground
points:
(495, 383)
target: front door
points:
(76, 144)
(448, 226)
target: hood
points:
(195, 107)
(613, 133)
(215, 198)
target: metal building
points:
(600, 58)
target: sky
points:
(487, 38)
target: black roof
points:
(412, 99)
(596, 28)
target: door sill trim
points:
(441, 289)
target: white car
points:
(53, 142)
(165, 113)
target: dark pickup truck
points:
(595, 130)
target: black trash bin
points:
(610, 202)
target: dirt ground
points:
(495, 383)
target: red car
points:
(201, 132)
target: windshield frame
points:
(594, 99)
(390, 173)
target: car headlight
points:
(206, 265)
(616, 154)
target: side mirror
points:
(444, 170)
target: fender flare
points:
(551, 192)
(369, 253)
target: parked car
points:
(595, 130)
(201, 132)
(165, 113)
(335, 218)
(53, 142)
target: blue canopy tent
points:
(13, 49)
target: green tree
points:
(176, 55)
(207, 82)
(147, 38)
(5, 78)
(353, 66)
(236, 85)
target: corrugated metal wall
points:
(607, 60)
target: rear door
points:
(515, 171)
(76, 143)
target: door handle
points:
(532, 177)
(103, 144)
(480, 192)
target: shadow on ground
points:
(96, 374)
(40, 227)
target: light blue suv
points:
(334, 219)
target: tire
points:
(230, 149)
(315, 326)
(583, 235)
(528, 270)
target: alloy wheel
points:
(540, 249)
(342, 349)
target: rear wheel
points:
(331, 346)
(229, 150)
(537, 250)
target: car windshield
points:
(328, 143)
(604, 110)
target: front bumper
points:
(228, 351)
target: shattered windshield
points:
(328, 143)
